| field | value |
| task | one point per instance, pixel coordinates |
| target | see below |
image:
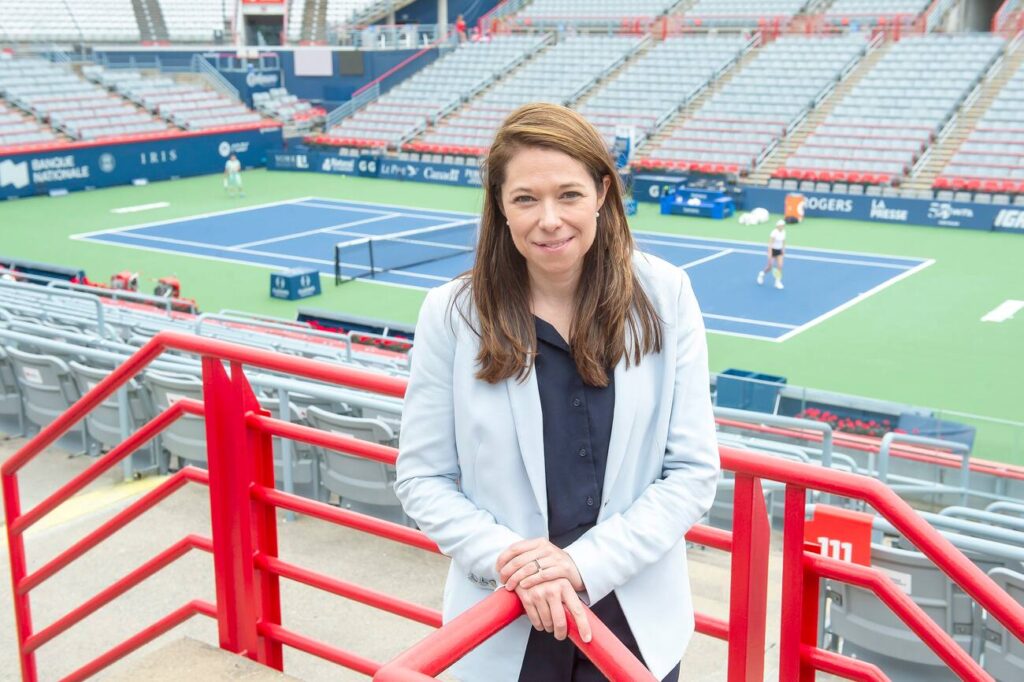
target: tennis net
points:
(371, 256)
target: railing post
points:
(16, 552)
(748, 596)
(799, 594)
(231, 475)
(260, 447)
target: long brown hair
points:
(609, 299)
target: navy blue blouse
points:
(577, 427)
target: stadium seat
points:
(10, 394)
(361, 485)
(871, 632)
(48, 389)
(104, 421)
(305, 472)
(185, 439)
(1004, 654)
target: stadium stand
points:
(279, 104)
(991, 158)
(873, 12)
(16, 129)
(589, 12)
(879, 130)
(188, 105)
(110, 21)
(71, 104)
(562, 74)
(768, 97)
(346, 12)
(742, 12)
(432, 92)
(197, 20)
(652, 88)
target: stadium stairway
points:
(650, 147)
(314, 21)
(150, 19)
(777, 158)
(187, 658)
(937, 157)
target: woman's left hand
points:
(531, 562)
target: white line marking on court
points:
(216, 247)
(414, 209)
(747, 320)
(705, 259)
(790, 255)
(85, 235)
(294, 235)
(1004, 311)
(141, 207)
(855, 300)
(327, 207)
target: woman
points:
(557, 435)
(776, 254)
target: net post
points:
(337, 265)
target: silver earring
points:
(597, 214)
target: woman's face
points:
(550, 203)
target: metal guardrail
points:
(335, 116)
(214, 77)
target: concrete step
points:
(188, 659)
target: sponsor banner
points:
(253, 81)
(119, 164)
(375, 166)
(1009, 220)
(892, 209)
(651, 188)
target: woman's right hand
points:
(546, 604)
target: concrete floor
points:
(405, 572)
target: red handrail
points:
(244, 542)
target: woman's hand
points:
(531, 562)
(545, 606)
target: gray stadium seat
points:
(305, 472)
(361, 484)
(870, 631)
(185, 439)
(1004, 654)
(104, 421)
(10, 393)
(48, 390)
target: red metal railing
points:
(244, 544)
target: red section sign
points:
(842, 534)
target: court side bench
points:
(189, 659)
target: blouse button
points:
(576, 402)
(582, 452)
(590, 501)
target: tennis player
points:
(233, 177)
(776, 253)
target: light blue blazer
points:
(471, 473)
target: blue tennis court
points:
(304, 232)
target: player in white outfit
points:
(776, 252)
(233, 177)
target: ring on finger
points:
(539, 567)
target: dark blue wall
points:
(332, 90)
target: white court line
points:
(85, 235)
(414, 209)
(265, 266)
(705, 259)
(141, 207)
(855, 300)
(1004, 311)
(747, 320)
(802, 248)
(229, 249)
(294, 235)
(790, 255)
(350, 209)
